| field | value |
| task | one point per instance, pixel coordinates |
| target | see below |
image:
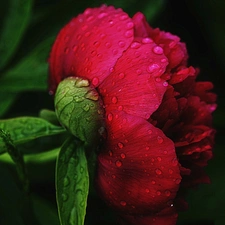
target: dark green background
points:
(27, 31)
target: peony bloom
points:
(157, 116)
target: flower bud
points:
(79, 109)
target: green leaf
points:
(17, 159)
(72, 183)
(25, 129)
(14, 25)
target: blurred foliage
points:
(28, 29)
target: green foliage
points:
(14, 26)
(72, 183)
(25, 129)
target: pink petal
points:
(135, 85)
(138, 169)
(90, 44)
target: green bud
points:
(79, 109)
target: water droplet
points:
(96, 43)
(118, 163)
(170, 171)
(147, 148)
(160, 139)
(121, 44)
(174, 162)
(158, 171)
(111, 69)
(95, 81)
(130, 25)
(135, 45)
(110, 117)
(147, 40)
(153, 182)
(153, 67)
(121, 75)
(102, 15)
(157, 79)
(102, 36)
(147, 190)
(120, 145)
(113, 176)
(123, 17)
(64, 197)
(90, 18)
(158, 192)
(111, 23)
(167, 193)
(122, 155)
(159, 159)
(138, 71)
(128, 33)
(157, 50)
(123, 203)
(66, 50)
(120, 107)
(108, 44)
(114, 100)
(165, 84)
(163, 60)
(178, 180)
(115, 51)
(110, 153)
(66, 181)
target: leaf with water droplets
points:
(72, 183)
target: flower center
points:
(80, 110)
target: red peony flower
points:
(158, 118)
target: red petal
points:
(90, 44)
(135, 85)
(138, 170)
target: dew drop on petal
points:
(113, 176)
(120, 145)
(165, 84)
(135, 45)
(159, 159)
(122, 155)
(121, 75)
(158, 192)
(95, 81)
(118, 163)
(114, 100)
(110, 117)
(167, 193)
(147, 40)
(147, 190)
(170, 171)
(153, 182)
(174, 162)
(153, 67)
(123, 203)
(120, 107)
(128, 33)
(123, 17)
(102, 15)
(160, 140)
(121, 44)
(177, 181)
(130, 25)
(138, 71)
(158, 171)
(163, 60)
(66, 50)
(157, 50)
